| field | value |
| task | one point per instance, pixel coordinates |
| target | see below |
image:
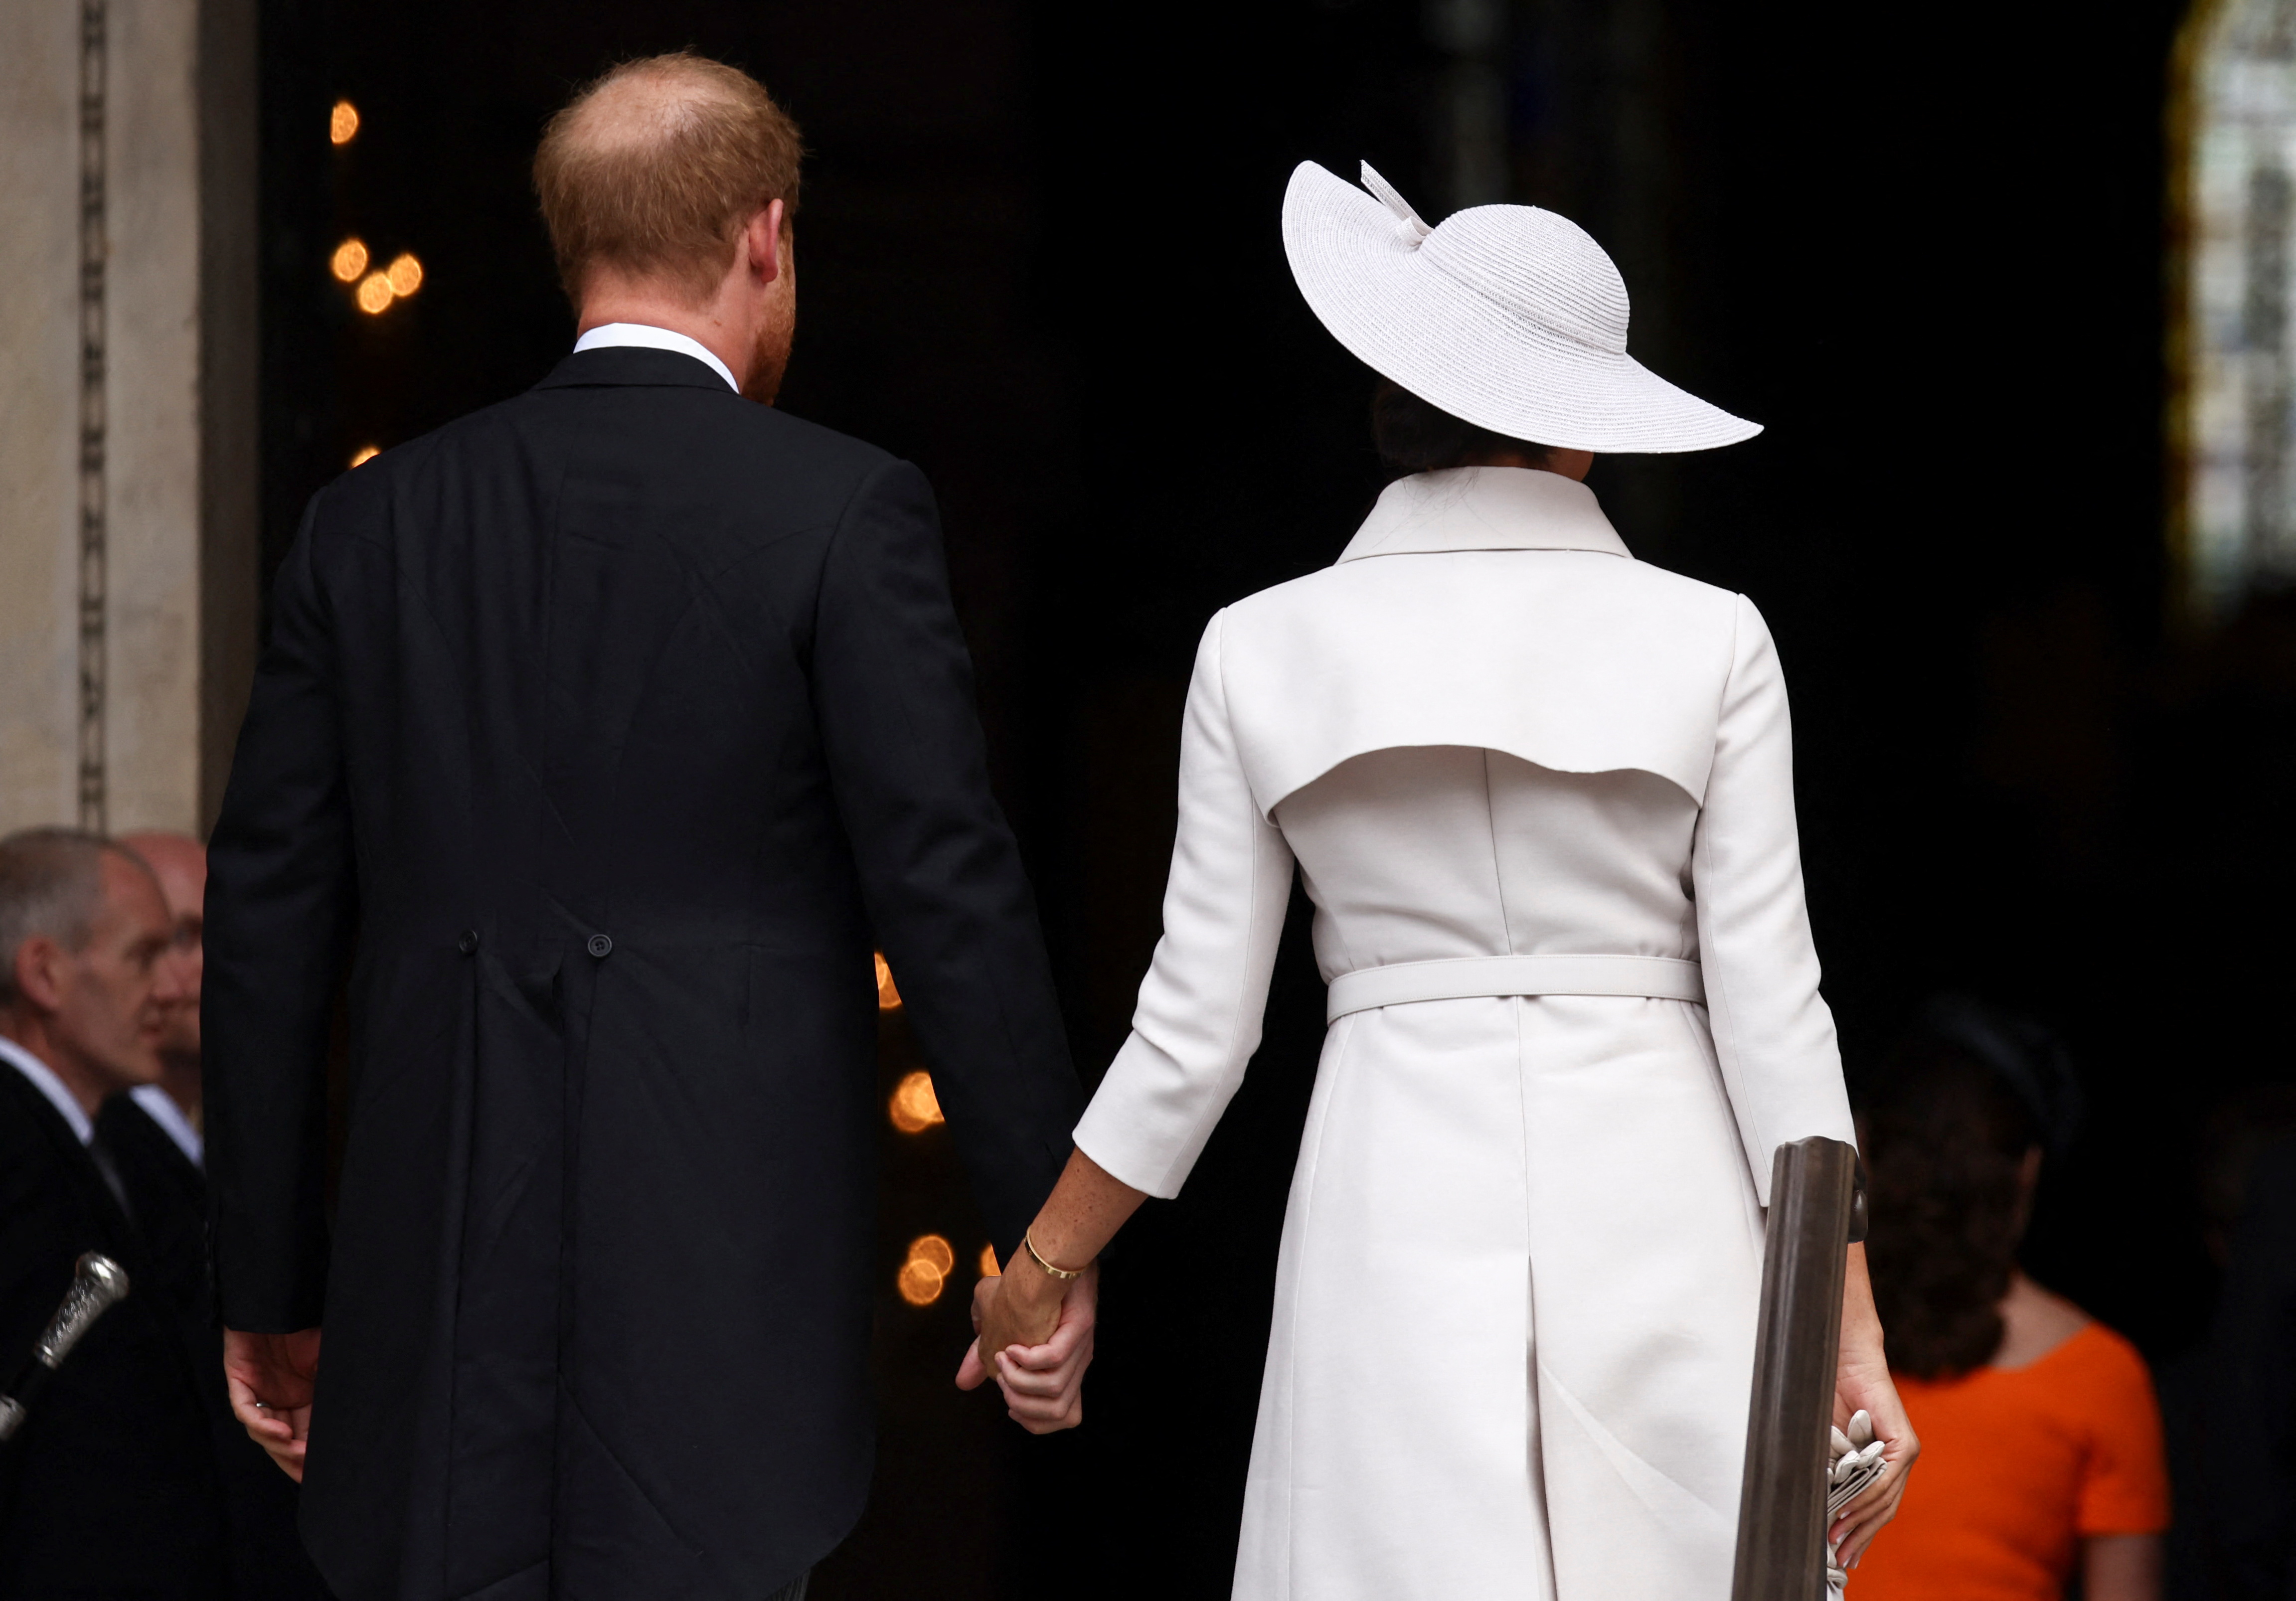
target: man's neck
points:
(179, 1076)
(703, 325)
(30, 1032)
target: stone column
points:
(127, 407)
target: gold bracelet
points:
(1063, 1274)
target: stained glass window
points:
(2237, 348)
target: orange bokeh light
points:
(989, 1267)
(349, 262)
(365, 454)
(405, 273)
(915, 1107)
(920, 1283)
(374, 296)
(922, 1277)
(343, 123)
(887, 998)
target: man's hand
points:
(270, 1378)
(1041, 1344)
(1023, 1307)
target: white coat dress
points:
(1515, 1304)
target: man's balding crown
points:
(648, 101)
(655, 168)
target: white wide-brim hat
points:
(1508, 316)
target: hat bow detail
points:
(1395, 204)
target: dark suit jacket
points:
(109, 1490)
(169, 1194)
(614, 722)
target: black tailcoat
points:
(109, 1490)
(169, 1194)
(609, 725)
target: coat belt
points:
(1660, 978)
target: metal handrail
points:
(1816, 1209)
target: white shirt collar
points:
(607, 335)
(44, 1079)
(1484, 508)
(160, 1107)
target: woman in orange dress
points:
(2041, 1450)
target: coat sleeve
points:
(281, 902)
(1772, 1031)
(1203, 1003)
(940, 873)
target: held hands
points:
(270, 1378)
(1038, 1332)
(1033, 1329)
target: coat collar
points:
(624, 366)
(651, 336)
(1484, 508)
(157, 1104)
(43, 1078)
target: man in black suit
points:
(152, 1136)
(109, 1489)
(609, 726)
(151, 1132)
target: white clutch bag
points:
(1857, 1463)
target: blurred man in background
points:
(110, 1488)
(152, 1135)
(172, 1105)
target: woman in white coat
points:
(1541, 795)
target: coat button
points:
(468, 942)
(601, 946)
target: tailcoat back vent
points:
(607, 728)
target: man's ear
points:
(765, 234)
(39, 976)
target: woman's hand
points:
(1042, 1378)
(1862, 1382)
